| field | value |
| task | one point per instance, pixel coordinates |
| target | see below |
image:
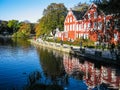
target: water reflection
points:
(52, 63)
(92, 75)
(51, 70)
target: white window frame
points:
(108, 24)
(89, 16)
(95, 25)
(89, 25)
(85, 26)
(100, 25)
(65, 28)
(73, 27)
(68, 27)
(116, 23)
(95, 14)
(68, 20)
(77, 27)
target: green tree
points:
(83, 7)
(24, 30)
(3, 27)
(108, 6)
(13, 26)
(53, 17)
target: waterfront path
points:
(67, 48)
(52, 45)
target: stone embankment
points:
(56, 46)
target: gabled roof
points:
(78, 14)
(98, 10)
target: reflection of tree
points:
(21, 42)
(53, 76)
(5, 41)
(51, 64)
(33, 84)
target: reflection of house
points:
(93, 76)
(93, 24)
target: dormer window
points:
(88, 15)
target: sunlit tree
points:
(53, 17)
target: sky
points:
(31, 10)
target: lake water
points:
(20, 61)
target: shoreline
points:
(55, 46)
(104, 56)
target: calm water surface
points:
(19, 60)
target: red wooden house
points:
(92, 24)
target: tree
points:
(108, 6)
(3, 27)
(53, 17)
(13, 26)
(83, 7)
(24, 30)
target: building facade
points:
(92, 24)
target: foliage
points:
(83, 7)
(53, 17)
(108, 6)
(85, 42)
(13, 26)
(24, 31)
(3, 27)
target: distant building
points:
(93, 24)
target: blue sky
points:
(29, 9)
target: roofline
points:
(72, 14)
(89, 8)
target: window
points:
(115, 37)
(99, 25)
(65, 28)
(85, 26)
(89, 25)
(70, 27)
(89, 16)
(80, 27)
(95, 14)
(108, 24)
(77, 27)
(117, 23)
(70, 19)
(95, 25)
(73, 27)
(85, 36)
